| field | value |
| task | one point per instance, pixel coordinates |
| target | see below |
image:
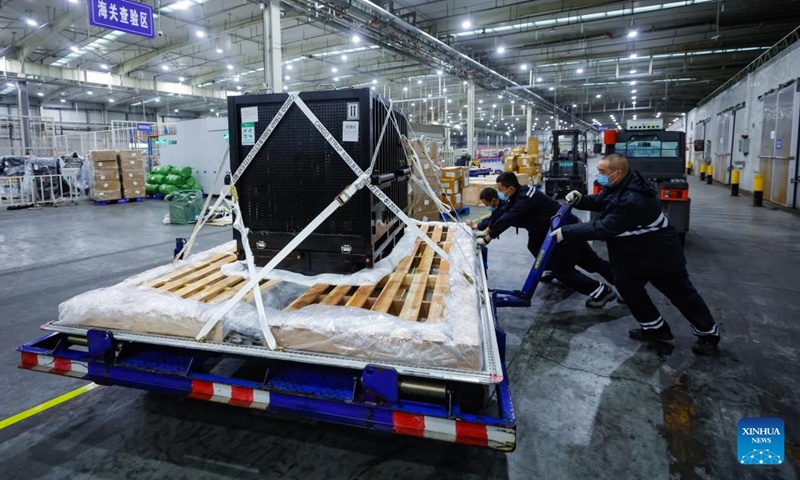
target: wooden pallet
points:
(413, 292)
(205, 281)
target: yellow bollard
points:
(758, 190)
(709, 176)
(735, 175)
(702, 171)
(689, 168)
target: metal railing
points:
(38, 190)
(41, 141)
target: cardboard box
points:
(471, 195)
(453, 172)
(133, 192)
(105, 165)
(131, 164)
(524, 171)
(107, 185)
(455, 201)
(510, 166)
(131, 176)
(466, 176)
(132, 184)
(532, 147)
(103, 155)
(433, 150)
(106, 175)
(451, 186)
(129, 155)
(101, 195)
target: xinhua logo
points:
(760, 441)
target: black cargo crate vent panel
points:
(297, 173)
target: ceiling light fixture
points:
(165, 67)
(75, 49)
(598, 96)
(633, 71)
(176, 110)
(219, 50)
(110, 100)
(287, 77)
(90, 92)
(552, 88)
(344, 58)
(63, 101)
(466, 24)
(31, 22)
(632, 34)
(238, 87)
(580, 70)
(334, 69)
(501, 49)
(200, 33)
(104, 66)
(633, 82)
(523, 67)
(230, 67)
(633, 55)
(375, 81)
(633, 91)
(289, 67)
(41, 94)
(539, 79)
(180, 79)
(355, 39)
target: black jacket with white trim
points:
(640, 239)
(532, 210)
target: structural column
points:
(471, 145)
(272, 46)
(528, 131)
(24, 111)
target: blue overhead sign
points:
(145, 128)
(122, 15)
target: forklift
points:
(567, 169)
(660, 157)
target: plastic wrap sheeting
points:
(451, 342)
(366, 276)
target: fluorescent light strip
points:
(580, 18)
(100, 42)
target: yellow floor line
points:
(46, 405)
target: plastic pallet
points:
(121, 200)
(156, 196)
(458, 213)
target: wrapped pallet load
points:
(103, 175)
(166, 179)
(131, 168)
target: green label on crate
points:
(248, 134)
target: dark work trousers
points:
(678, 289)
(569, 254)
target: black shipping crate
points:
(297, 173)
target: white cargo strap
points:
(238, 224)
(216, 315)
(373, 188)
(263, 138)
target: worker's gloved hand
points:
(573, 197)
(471, 224)
(558, 234)
(482, 242)
(480, 233)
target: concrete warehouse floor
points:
(591, 403)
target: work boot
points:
(663, 334)
(599, 301)
(706, 345)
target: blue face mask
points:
(501, 196)
(604, 180)
(492, 209)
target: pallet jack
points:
(522, 298)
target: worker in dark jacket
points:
(489, 198)
(532, 210)
(643, 248)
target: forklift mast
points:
(567, 170)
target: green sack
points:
(174, 180)
(191, 181)
(151, 188)
(161, 170)
(185, 206)
(184, 172)
(166, 189)
(155, 179)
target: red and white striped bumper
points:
(54, 365)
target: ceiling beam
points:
(48, 31)
(33, 71)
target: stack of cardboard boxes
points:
(104, 180)
(420, 205)
(131, 168)
(454, 180)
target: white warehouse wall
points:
(780, 70)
